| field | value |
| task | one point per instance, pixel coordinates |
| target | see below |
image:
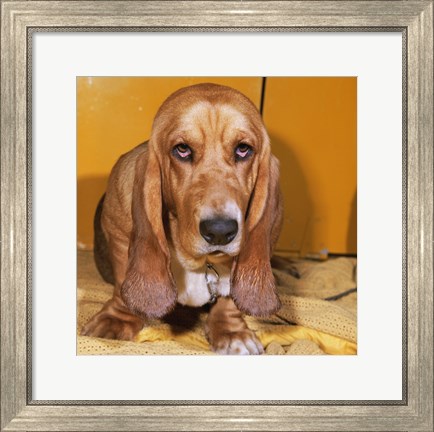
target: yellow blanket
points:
(306, 323)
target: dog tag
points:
(211, 283)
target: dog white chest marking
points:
(193, 287)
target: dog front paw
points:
(242, 342)
(112, 323)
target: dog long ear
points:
(253, 287)
(149, 289)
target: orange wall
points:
(312, 125)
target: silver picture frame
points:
(20, 20)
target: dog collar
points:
(210, 284)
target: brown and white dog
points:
(190, 216)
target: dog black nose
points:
(218, 231)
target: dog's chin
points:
(199, 253)
(193, 263)
(198, 259)
(218, 257)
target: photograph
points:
(217, 215)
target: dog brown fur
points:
(154, 202)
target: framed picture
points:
(387, 47)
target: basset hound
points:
(191, 216)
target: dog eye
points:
(243, 151)
(183, 152)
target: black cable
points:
(261, 108)
(342, 294)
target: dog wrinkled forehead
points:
(183, 101)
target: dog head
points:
(210, 184)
